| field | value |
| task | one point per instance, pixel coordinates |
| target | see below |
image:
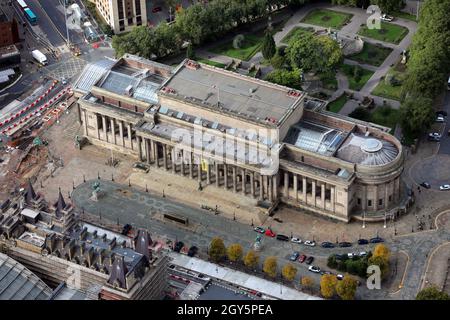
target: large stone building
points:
(268, 142)
(122, 15)
(63, 250)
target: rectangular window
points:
(380, 202)
(369, 203)
(359, 201)
(137, 4)
(390, 198)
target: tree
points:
(381, 250)
(251, 259)
(235, 252)
(270, 266)
(328, 285)
(307, 282)
(360, 113)
(320, 54)
(190, 54)
(286, 78)
(389, 6)
(331, 262)
(432, 293)
(289, 272)
(382, 263)
(217, 249)
(416, 114)
(268, 47)
(346, 288)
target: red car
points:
(156, 9)
(302, 258)
(270, 233)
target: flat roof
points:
(240, 95)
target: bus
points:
(31, 17)
(22, 4)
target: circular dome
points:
(371, 145)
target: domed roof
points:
(367, 150)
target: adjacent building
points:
(122, 15)
(9, 31)
(80, 259)
(269, 143)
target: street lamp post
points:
(65, 16)
(364, 219)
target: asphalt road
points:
(140, 209)
(46, 24)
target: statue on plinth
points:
(96, 192)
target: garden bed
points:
(389, 32)
(327, 18)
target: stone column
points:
(98, 129)
(199, 169)
(104, 127)
(375, 201)
(208, 174)
(122, 140)
(85, 124)
(217, 174)
(386, 196)
(252, 183)
(332, 198)
(155, 152)
(270, 188)
(174, 166)
(304, 189)
(364, 198)
(225, 175)
(261, 188)
(164, 156)
(244, 180)
(314, 193)
(322, 194)
(286, 184)
(148, 151)
(296, 186)
(234, 179)
(139, 147)
(113, 131)
(129, 135)
(191, 166)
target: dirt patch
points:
(326, 18)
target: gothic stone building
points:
(308, 158)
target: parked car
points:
(345, 244)
(440, 119)
(294, 256)
(260, 230)
(327, 245)
(350, 255)
(339, 276)
(309, 243)
(302, 258)
(296, 240)
(126, 229)
(444, 187)
(282, 237)
(434, 134)
(338, 256)
(325, 272)
(64, 81)
(314, 269)
(309, 260)
(178, 246)
(192, 251)
(386, 18)
(434, 138)
(426, 185)
(376, 240)
(270, 233)
(363, 241)
(363, 254)
(442, 113)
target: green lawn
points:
(327, 18)
(404, 15)
(249, 47)
(385, 116)
(372, 54)
(388, 91)
(211, 63)
(294, 32)
(348, 70)
(389, 32)
(336, 105)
